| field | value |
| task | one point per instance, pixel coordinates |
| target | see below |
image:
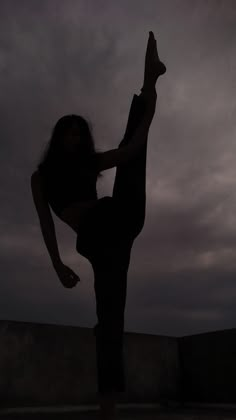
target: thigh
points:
(127, 175)
(110, 285)
(129, 191)
(105, 235)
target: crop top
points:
(66, 184)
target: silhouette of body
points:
(106, 240)
(106, 233)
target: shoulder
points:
(97, 158)
(37, 182)
(91, 163)
(36, 176)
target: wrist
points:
(56, 264)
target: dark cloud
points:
(88, 58)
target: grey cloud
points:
(88, 58)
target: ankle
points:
(148, 86)
(147, 92)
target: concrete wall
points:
(152, 366)
(208, 364)
(43, 364)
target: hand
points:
(67, 276)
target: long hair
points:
(54, 151)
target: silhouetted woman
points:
(107, 227)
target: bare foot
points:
(159, 66)
(154, 67)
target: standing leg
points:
(110, 284)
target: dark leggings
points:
(107, 242)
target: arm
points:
(45, 218)
(124, 154)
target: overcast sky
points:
(59, 57)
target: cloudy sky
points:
(59, 57)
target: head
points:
(71, 139)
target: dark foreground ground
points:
(124, 412)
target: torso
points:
(72, 214)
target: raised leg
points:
(129, 191)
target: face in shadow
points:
(72, 141)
